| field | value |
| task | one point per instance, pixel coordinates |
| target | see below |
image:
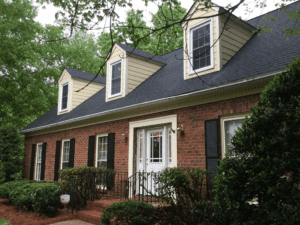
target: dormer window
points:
(64, 96)
(115, 82)
(200, 50)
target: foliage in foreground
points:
(11, 154)
(128, 212)
(267, 167)
(38, 196)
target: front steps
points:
(94, 210)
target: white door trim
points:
(172, 119)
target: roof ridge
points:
(270, 12)
(136, 48)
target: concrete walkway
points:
(72, 222)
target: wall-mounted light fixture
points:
(124, 136)
(179, 128)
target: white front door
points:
(154, 145)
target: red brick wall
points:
(190, 146)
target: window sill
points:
(115, 95)
(199, 70)
(64, 110)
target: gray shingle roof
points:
(86, 76)
(262, 54)
(139, 52)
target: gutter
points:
(162, 100)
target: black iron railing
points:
(97, 185)
(145, 186)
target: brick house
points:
(153, 112)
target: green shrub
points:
(267, 147)
(45, 197)
(8, 187)
(11, 154)
(40, 196)
(128, 212)
(185, 183)
(21, 194)
(2, 172)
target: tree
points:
(11, 154)
(268, 147)
(30, 66)
(170, 39)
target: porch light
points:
(179, 128)
(124, 136)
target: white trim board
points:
(172, 119)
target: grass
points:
(4, 222)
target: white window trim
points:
(36, 155)
(97, 137)
(110, 77)
(62, 151)
(190, 49)
(60, 97)
(222, 121)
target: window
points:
(115, 78)
(229, 126)
(64, 96)
(169, 145)
(102, 151)
(38, 162)
(65, 154)
(200, 50)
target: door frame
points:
(158, 121)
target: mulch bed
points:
(17, 216)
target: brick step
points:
(90, 216)
(103, 203)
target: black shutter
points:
(43, 161)
(110, 159)
(212, 150)
(72, 153)
(57, 154)
(91, 150)
(32, 161)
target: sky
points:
(46, 16)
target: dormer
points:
(72, 80)
(127, 68)
(200, 34)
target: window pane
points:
(66, 151)
(201, 47)
(141, 147)
(201, 42)
(116, 86)
(116, 79)
(207, 40)
(64, 100)
(207, 60)
(230, 128)
(65, 165)
(202, 62)
(196, 64)
(102, 164)
(170, 146)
